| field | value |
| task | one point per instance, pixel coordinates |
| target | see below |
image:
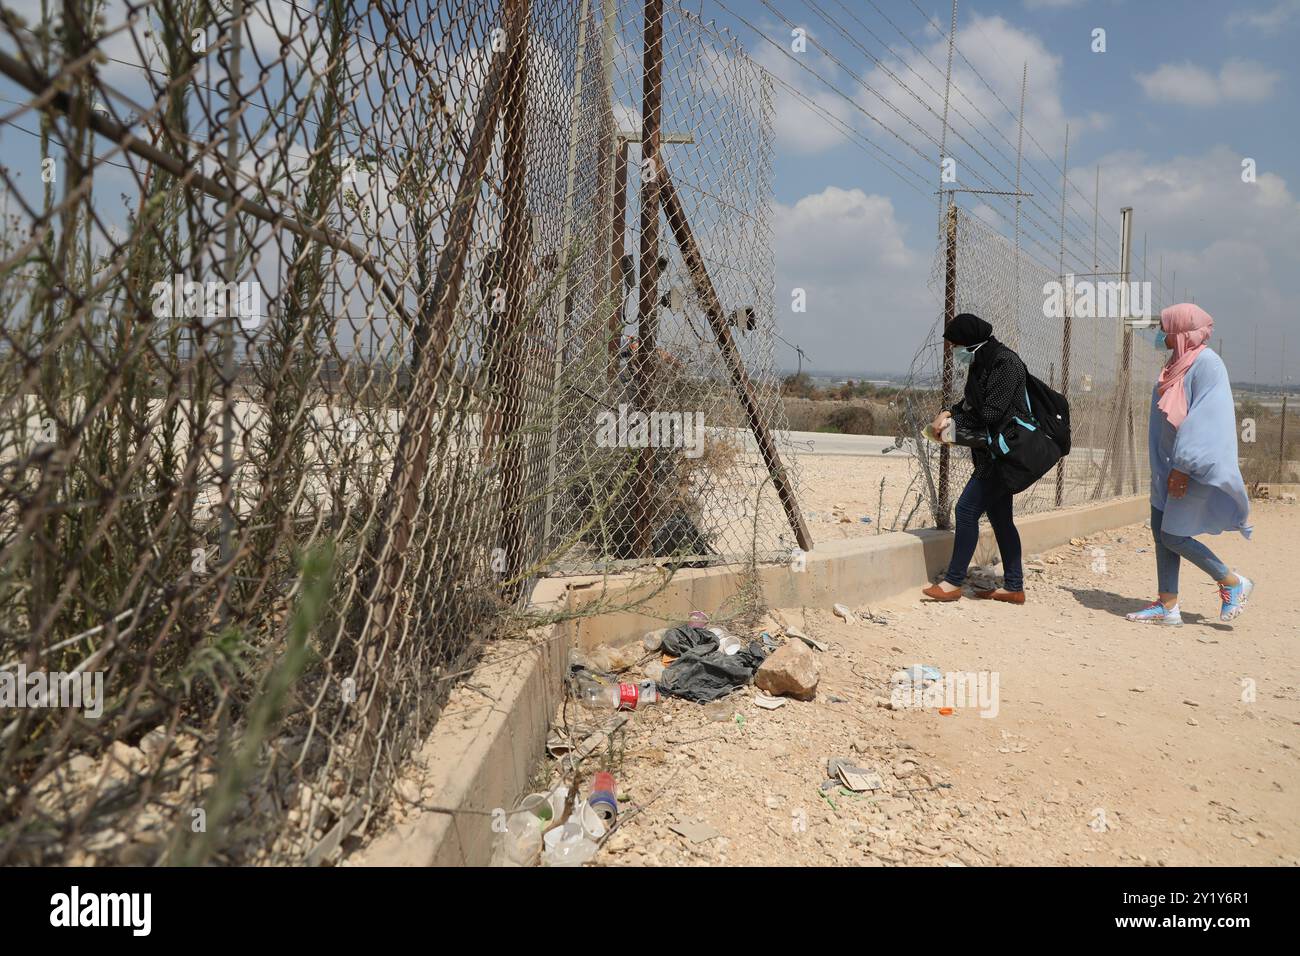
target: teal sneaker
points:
(1234, 598)
(1157, 613)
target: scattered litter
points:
(697, 831)
(574, 843)
(843, 612)
(598, 696)
(865, 520)
(718, 711)
(520, 843)
(603, 798)
(698, 619)
(856, 779)
(811, 642)
(563, 750)
(768, 640)
(703, 671)
(768, 702)
(918, 674)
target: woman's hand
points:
(940, 420)
(1178, 483)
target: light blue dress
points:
(1204, 448)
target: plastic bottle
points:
(596, 696)
(603, 798)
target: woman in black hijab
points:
(995, 386)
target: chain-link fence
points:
(1069, 331)
(674, 366)
(323, 337)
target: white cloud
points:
(1268, 19)
(800, 128)
(1235, 246)
(997, 50)
(868, 302)
(1186, 84)
(1051, 4)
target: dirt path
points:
(1112, 742)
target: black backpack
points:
(1051, 410)
(1025, 450)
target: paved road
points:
(873, 446)
(822, 443)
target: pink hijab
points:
(1191, 327)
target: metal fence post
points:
(648, 298)
(942, 506)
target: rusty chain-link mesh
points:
(310, 316)
(1107, 383)
(662, 337)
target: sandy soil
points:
(1112, 742)
(836, 492)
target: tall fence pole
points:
(606, 266)
(565, 264)
(618, 253)
(1124, 423)
(648, 298)
(229, 368)
(515, 239)
(1069, 311)
(1281, 451)
(941, 519)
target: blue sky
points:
(1182, 94)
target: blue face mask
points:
(1157, 337)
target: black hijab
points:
(969, 329)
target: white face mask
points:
(965, 356)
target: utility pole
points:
(1069, 312)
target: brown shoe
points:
(936, 593)
(1009, 597)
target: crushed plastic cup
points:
(577, 841)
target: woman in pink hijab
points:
(1196, 485)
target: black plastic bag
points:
(702, 672)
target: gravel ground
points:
(1112, 742)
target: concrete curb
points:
(484, 760)
(852, 571)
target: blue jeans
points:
(986, 496)
(1171, 547)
